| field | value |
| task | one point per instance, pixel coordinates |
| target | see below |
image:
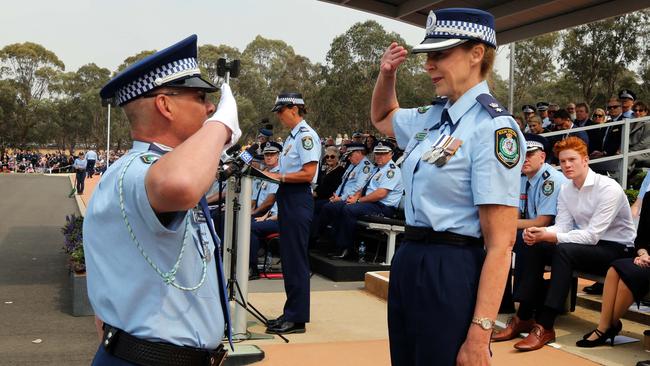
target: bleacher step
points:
(339, 270)
(376, 283)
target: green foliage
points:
(631, 194)
(534, 65)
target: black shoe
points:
(342, 255)
(270, 323)
(595, 289)
(643, 363)
(286, 327)
(610, 334)
(253, 276)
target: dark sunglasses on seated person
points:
(330, 156)
(598, 115)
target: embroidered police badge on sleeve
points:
(423, 109)
(506, 147)
(548, 187)
(390, 174)
(366, 169)
(307, 143)
(149, 158)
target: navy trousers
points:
(295, 212)
(431, 298)
(346, 221)
(259, 231)
(90, 168)
(80, 178)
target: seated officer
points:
(261, 227)
(144, 213)
(264, 191)
(540, 186)
(593, 227)
(354, 177)
(380, 195)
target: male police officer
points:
(380, 195)
(264, 192)
(540, 186)
(91, 157)
(150, 253)
(627, 98)
(542, 109)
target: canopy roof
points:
(515, 19)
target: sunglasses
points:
(200, 94)
(598, 115)
(330, 156)
(613, 106)
(638, 110)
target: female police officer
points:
(461, 175)
(298, 165)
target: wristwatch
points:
(484, 323)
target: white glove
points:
(227, 114)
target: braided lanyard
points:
(169, 277)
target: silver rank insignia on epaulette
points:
(496, 107)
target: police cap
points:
(284, 99)
(355, 146)
(626, 94)
(542, 106)
(175, 66)
(535, 142)
(272, 147)
(528, 108)
(383, 146)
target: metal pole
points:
(511, 81)
(108, 138)
(243, 251)
(626, 149)
(227, 226)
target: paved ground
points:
(34, 284)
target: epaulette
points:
(392, 166)
(303, 129)
(159, 148)
(367, 162)
(492, 106)
(546, 174)
(439, 100)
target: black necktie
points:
(365, 187)
(444, 118)
(524, 214)
(347, 176)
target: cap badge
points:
(431, 22)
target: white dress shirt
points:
(597, 211)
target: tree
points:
(533, 65)
(594, 55)
(30, 68)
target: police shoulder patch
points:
(307, 143)
(149, 158)
(506, 147)
(390, 174)
(366, 169)
(492, 106)
(548, 187)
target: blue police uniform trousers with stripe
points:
(259, 231)
(437, 276)
(295, 212)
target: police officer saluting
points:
(298, 166)
(154, 277)
(461, 177)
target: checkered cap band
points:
(450, 28)
(285, 100)
(532, 145)
(147, 81)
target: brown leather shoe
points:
(512, 329)
(536, 339)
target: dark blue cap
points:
(535, 142)
(272, 147)
(528, 108)
(383, 146)
(626, 94)
(265, 132)
(447, 28)
(542, 106)
(355, 146)
(175, 66)
(287, 99)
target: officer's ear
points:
(476, 54)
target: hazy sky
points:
(106, 32)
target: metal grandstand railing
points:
(625, 153)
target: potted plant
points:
(73, 247)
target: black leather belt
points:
(427, 235)
(140, 352)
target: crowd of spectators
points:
(53, 162)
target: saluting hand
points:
(392, 58)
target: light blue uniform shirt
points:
(123, 288)
(357, 176)
(543, 191)
(301, 147)
(91, 155)
(387, 177)
(628, 114)
(644, 187)
(265, 188)
(445, 198)
(80, 163)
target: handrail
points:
(625, 144)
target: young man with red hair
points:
(592, 228)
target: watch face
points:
(486, 324)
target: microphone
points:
(237, 165)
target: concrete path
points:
(34, 284)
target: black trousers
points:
(81, 178)
(564, 259)
(90, 168)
